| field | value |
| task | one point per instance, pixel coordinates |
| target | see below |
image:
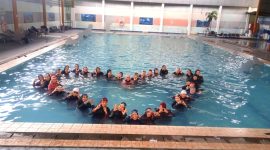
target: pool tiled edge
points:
(24, 134)
(26, 127)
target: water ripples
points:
(233, 84)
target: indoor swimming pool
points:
(236, 89)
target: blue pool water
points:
(236, 89)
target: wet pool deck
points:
(60, 135)
(130, 136)
(234, 46)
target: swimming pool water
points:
(236, 90)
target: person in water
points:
(186, 87)
(135, 78)
(163, 111)
(77, 71)
(101, 110)
(148, 117)
(119, 76)
(109, 75)
(59, 91)
(194, 89)
(181, 100)
(178, 72)
(39, 82)
(150, 74)
(163, 70)
(127, 80)
(58, 74)
(47, 79)
(143, 75)
(85, 73)
(193, 93)
(66, 71)
(189, 75)
(98, 73)
(199, 77)
(133, 118)
(119, 112)
(156, 72)
(74, 95)
(53, 84)
(84, 103)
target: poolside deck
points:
(55, 135)
(244, 47)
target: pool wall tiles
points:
(175, 18)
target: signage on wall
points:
(28, 17)
(51, 17)
(202, 23)
(88, 17)
(146, 21)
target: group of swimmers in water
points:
(51, 83)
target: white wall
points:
(29, 7)
(199, 13)
(116, 12)
(87, 7)
(175, 19)
(6, 14)
(233, 20)
(152, 11)
(57, 11)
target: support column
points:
(247, 20)
(62, 13)
(44, 12)
(189, 20)
(73, 18)
(161, 17)
(103, 14)
(131, 16)
(255, 29)
(218, 19)
(15, 16)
